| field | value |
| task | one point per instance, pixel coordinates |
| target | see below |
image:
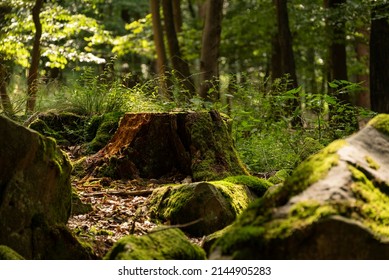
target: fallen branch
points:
(119, 193)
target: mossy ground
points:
(166, 244)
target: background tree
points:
(379, 58)
(209, 60)
(32, 80)
(159, 45)
(285, 45)
(4, 73)
(337, 57)
(180, 65)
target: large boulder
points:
(181, 144)
(200, 208)
(335, 205)
(35, 193)
(162, 244)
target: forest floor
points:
(118, 208)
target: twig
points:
(175, 226)
(119, 193)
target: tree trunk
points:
(180, 66)
(362, 51)
(32, 79)
(379, 59)
(288, 66)
(285, 43)
(165, 145)
(209, 61)
(5, 100)
(337, 58)
(276, 70)
(159, 46)
(177, 15)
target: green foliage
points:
(138, 41)
(262, 130)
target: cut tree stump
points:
(162, 145)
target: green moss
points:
(381, 123)
(372, 163)
(167, 202)
(230, 242)
(6, 253)
(279, 177)
(166, 244)
(300, 215)
(313, 169)
(235, 194)
(257, 185)
(163, 208)
(100, 130)
(372, 205)
(216, 157)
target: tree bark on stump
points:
(169, 145)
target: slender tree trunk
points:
(362, 51)
(379, 59)
(311, 70)
(177, 15)
(337, 57)
(180, 66)
(32, 79)
(209, 59)
(288, 66)
(159, 46)
(5, 100)
(276, 69)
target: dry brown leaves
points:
(113, 216)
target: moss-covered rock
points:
(256, 185)
(6, 253)
(35, 187)
(333, 206)
(163, 244)
(205, 206)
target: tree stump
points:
(180, 144)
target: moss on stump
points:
(155, 145)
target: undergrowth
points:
(262, 111)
